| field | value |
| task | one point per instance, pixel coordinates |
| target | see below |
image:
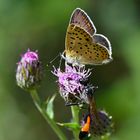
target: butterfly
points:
(82, 44)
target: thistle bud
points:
(28, 74)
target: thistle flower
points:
(28, 74)
(74, 84)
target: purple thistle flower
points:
(28, 74)
(73, 84)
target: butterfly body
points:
(82, 45)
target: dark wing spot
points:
(76, 51)
(72, 38)
(87, 39)
(81, 48)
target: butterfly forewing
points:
(81, 19)
(81, 47)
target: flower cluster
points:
(28, 74)
(74, 87)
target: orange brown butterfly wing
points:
(81, 47)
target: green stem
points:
(75, 117)
(53, 125)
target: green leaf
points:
(72, 126)
(49, 108)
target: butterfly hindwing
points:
(101, 39)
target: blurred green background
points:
(41, 25)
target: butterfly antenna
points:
(53, 60)
(62, 57)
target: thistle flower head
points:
(73, 84)
(28, 74)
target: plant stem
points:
(51, 122)
(75, 117)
